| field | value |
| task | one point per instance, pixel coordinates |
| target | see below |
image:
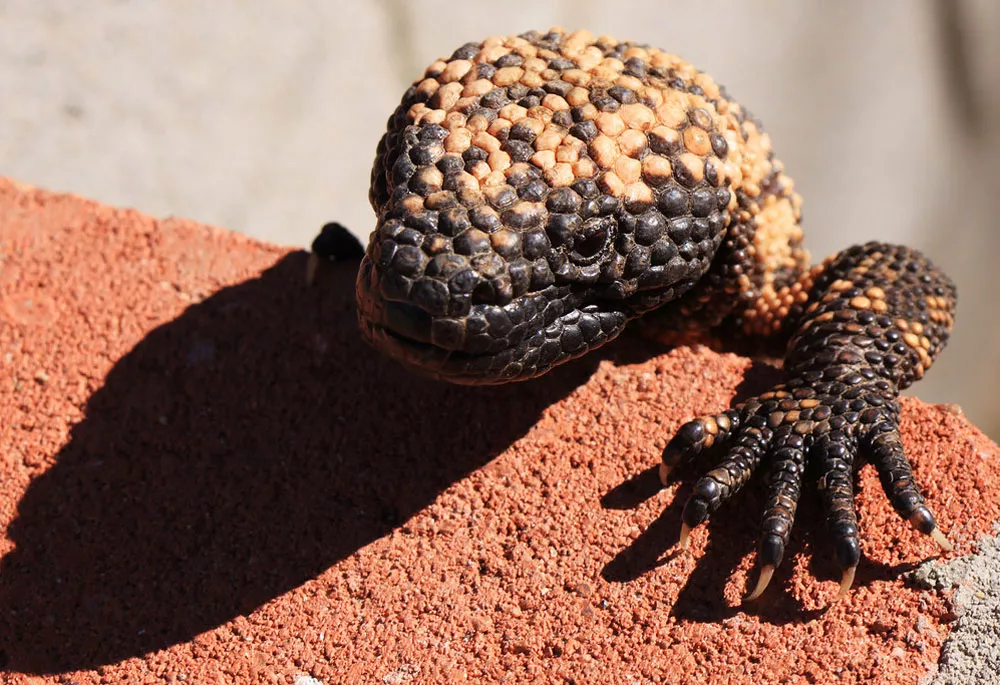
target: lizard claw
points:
(664, 474)
(685, 540)
(846, 581)
(943, 541)
(923, 521)
(766, 573)
(796, 429)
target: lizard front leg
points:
(873, 319)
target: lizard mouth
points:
(421, 357)
(428, 359)
(404, 332)
(404, 346)
(485, 343)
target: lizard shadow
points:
(234, 453)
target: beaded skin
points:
(534, 194)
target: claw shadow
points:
(731, 532)
(647, 551)
(233, 454)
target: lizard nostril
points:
(590, 246)
(592, 242)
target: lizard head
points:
(532, 195)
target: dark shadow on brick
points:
(235, 453)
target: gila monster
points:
(534, 194)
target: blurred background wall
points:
(263, 117)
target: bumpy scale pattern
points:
(535, 193)
(877, 317)
(528, 177)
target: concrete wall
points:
(263, 117)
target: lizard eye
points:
(593, 241)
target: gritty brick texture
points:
(208, 476)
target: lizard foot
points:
(334, 243)
(821, 424)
